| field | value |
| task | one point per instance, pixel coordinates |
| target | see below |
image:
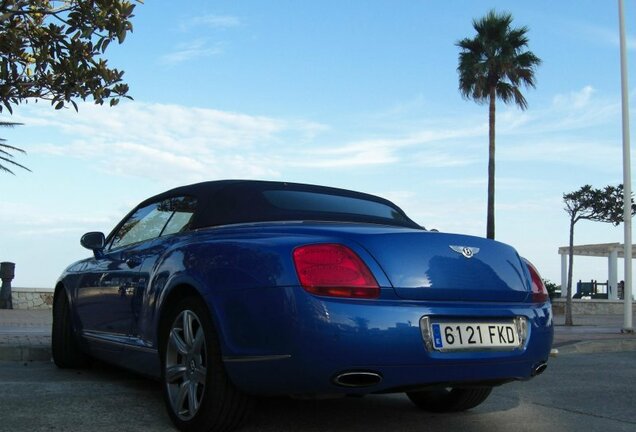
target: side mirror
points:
(94, 241)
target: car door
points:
(150, 282)
(107, 288)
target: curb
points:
(597, 346)
(25, 347)
(25, 353)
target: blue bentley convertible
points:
(226, 290)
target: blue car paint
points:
(327, 336)
(276, 338)
(423, 266)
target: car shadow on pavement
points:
(365, 414)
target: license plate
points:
(476, 335)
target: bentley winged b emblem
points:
(467, 251)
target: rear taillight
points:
(334, 270)
(539, 291)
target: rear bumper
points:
(286, 341)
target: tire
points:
(64, 345)
(449, 399)
(198, 393)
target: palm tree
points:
(494, 64)
(5, 156)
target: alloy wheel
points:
(186, 365)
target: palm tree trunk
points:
(568, 299)
(490, 220)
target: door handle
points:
(133, 261)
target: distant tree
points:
(602, 205)
(52, 50)
(5, 156)
(495, 64)
(551, 287)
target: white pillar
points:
(564, 275)
(612, 275)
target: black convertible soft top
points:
(227, 202)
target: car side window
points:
(146, 223)
(183, 210)
(170, 216)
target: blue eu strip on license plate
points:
(437, 336)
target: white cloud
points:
(403, 148)
(160, 141)
(40, 219)
(361, 157)
(512, 119)
(605, 35)
(165, 126)
(438, 158)
(172, 143)
(576, 99)
(462, 182)
(399, 110)
(515, 184)
(192, 50)
(211, 21)
(600, 154)
(570, 113)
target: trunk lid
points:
(438, 266)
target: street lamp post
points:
(627, 178)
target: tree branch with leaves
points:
(587, 203)
(52, 50)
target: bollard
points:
(7, 272)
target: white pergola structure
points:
(612, 251)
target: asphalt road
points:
(590, 392)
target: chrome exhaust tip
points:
(539, 369)
(357, 379)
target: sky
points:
(360, 95)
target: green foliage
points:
(51, 50)
(5, 156)
(496, 59)
(602, 205)
(551, 287)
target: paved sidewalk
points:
(592, 333)
(25, 335)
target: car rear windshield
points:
(320, 204)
